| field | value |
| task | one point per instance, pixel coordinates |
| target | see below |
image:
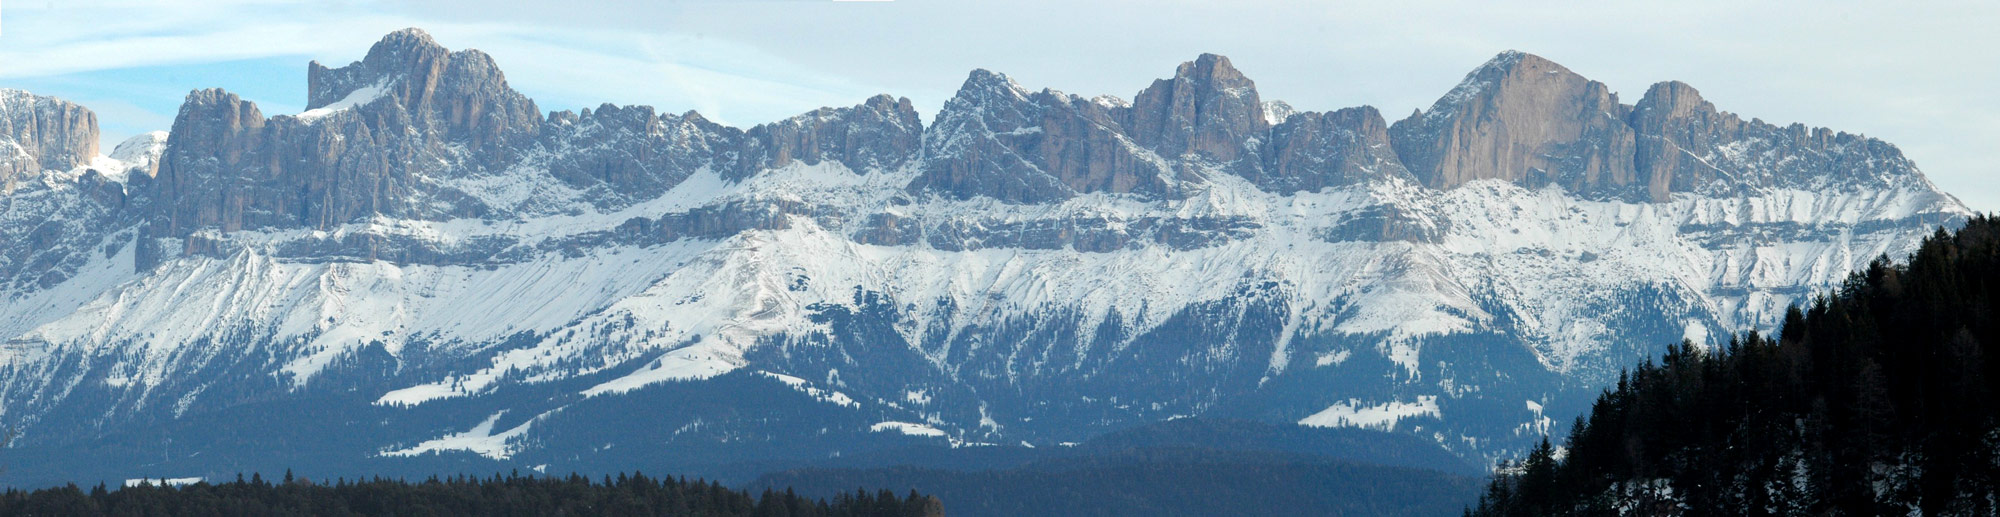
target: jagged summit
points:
(981, 81)
(405, 53)
(1524, 119)
(39, 133)
(1511, 69)
(404, 41)
(882, 133)
(996, 139)
(141, 153)
(464, 91)
(416, 131)
(1207, 109)
(1521, 118)
(1671, 99)
(1518, 118)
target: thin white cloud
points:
(87, 35)
(725, 81)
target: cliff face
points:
(1686, 145)
(998, 140)
(42, 133)
(882, 133)
(377, 135)
(1521, 118)
(449, 98)
(1208, 109)
(415, 131)
(1311, 151)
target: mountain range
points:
(424, 267)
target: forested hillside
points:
(1190, 466)
(510, 495)
(1874, 400)
(1173, 481)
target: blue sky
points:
(1921, 77)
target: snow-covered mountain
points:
(423, 262)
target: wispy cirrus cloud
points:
(87, 35)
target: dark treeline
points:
(1165, 482)
(498, 495)
(1874, 400)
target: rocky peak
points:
(40, 133)
(379, 138)
(1672, 119)
(881, 133)
(999, 140)
(211, 114)
(983, 84)
(1524, 119)
(1208, 108)
(996, 139)
(141, 153)
(408, 57)
(1669, 100)
(462, 95)
(1313, 150)
(1275, 112)
(193, 172)
(624, 154)
(1686, 145)
(990, 99)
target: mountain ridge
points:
(471, 275)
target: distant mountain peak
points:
(404, 40)
(411, 67)
(1524, 119)
(39, 133)
(1208, 108)
(981, 85)
(1521, 72)
(1210, 67)
(399, 54)
(1668, 99)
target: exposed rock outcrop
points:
(1525, 119)
(52, 225)
(379, 133)
(42, 133)
(1207, 109)
(415, 131)
(880, 134)
(996, 139)
(999, 140)
(618, 155)
(1686, 145)
(141, 153)
(448, 97)
(1310, 151)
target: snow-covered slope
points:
(1036, 268)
